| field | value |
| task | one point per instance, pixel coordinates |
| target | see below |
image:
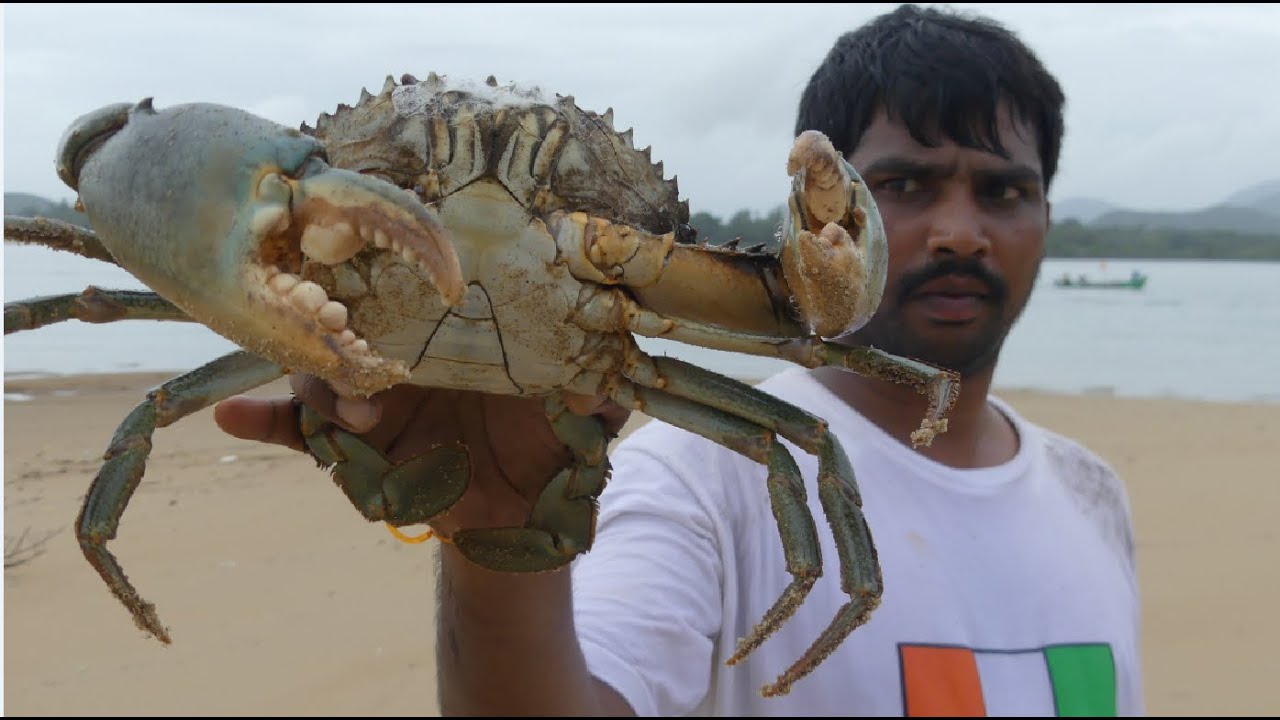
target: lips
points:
(954, 286)
(953, 298)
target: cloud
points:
(1159, 97)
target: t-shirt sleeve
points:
(1099, 492)
(647, 596)
(1101, 495)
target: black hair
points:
(935, 71)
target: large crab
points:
(483, 238)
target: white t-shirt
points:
(1008, 590)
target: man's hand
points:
(514, 453)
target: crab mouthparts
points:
(312, 302)
(317, 229)
(331, 245)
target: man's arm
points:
(506, 646)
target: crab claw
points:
(834, 252)
(215, 209)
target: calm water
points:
(1205, 330)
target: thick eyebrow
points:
(1013, 175)
(907, 167)
(897, 165)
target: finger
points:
(613, 415)
(582, 404)
(272, 420)
(314, 393)
(359, 415)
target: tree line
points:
(1067, 239)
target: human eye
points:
(1004, 192)
(899, 186)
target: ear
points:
(1048, 226)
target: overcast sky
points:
(1169, 107)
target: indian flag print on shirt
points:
(1062, 680)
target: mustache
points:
(997, 288)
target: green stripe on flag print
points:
(1063, 680)
(1084, 679)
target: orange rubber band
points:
(415, 540)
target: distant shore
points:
(282, 600)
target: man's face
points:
(966, 232)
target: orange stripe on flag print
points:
(1062, 680)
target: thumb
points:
(337, 402)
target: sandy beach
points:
(283, 601)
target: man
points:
(1007, 554)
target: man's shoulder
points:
(1071, 452)
(1064, 453)
(1084, 470)
(1097, 489)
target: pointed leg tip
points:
(160, 632)
(779, 688)
(929, 429)
(153, 628)
(748, 644)
(148, 621)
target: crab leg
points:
(611, 311)
(395, 494)
(673, 278)
(56, 234)
(94, 305)
(560, 527)
(942, 387)
(562, 523)
(749, 421)
(126, 459)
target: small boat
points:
(1135, 281)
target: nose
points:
(957, 228)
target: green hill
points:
(1221, 217)
(28, 205)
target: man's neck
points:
(977, 434)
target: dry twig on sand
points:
(18, 551)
